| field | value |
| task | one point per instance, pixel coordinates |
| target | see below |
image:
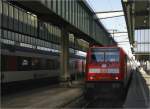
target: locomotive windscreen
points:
(104, 54)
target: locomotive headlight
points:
(94, 70)
(116, 78)
(113, 70)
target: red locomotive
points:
(107, 68)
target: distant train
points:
(27, 64)
(107, 69)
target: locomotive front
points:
(103, 69)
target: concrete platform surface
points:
(47, 97)
(139, 92)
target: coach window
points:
(13, 36)
(25, 39)
(23, 63)
(43, 43)
(33, 41)
(35, 64)
(9, 35)
(28, 39)
(46, 44)
(39, 42)
(19, 37)
(5, 34)
(49, 45)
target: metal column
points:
(64, 58)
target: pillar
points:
(64, 56)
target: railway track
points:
(96, 102)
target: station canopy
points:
(137, 14)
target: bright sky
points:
(116, 23)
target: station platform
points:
(61, 96)
(139, 91)
(54, 96)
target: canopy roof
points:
(137, 14)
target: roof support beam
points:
(108, 11)
(111, 17)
